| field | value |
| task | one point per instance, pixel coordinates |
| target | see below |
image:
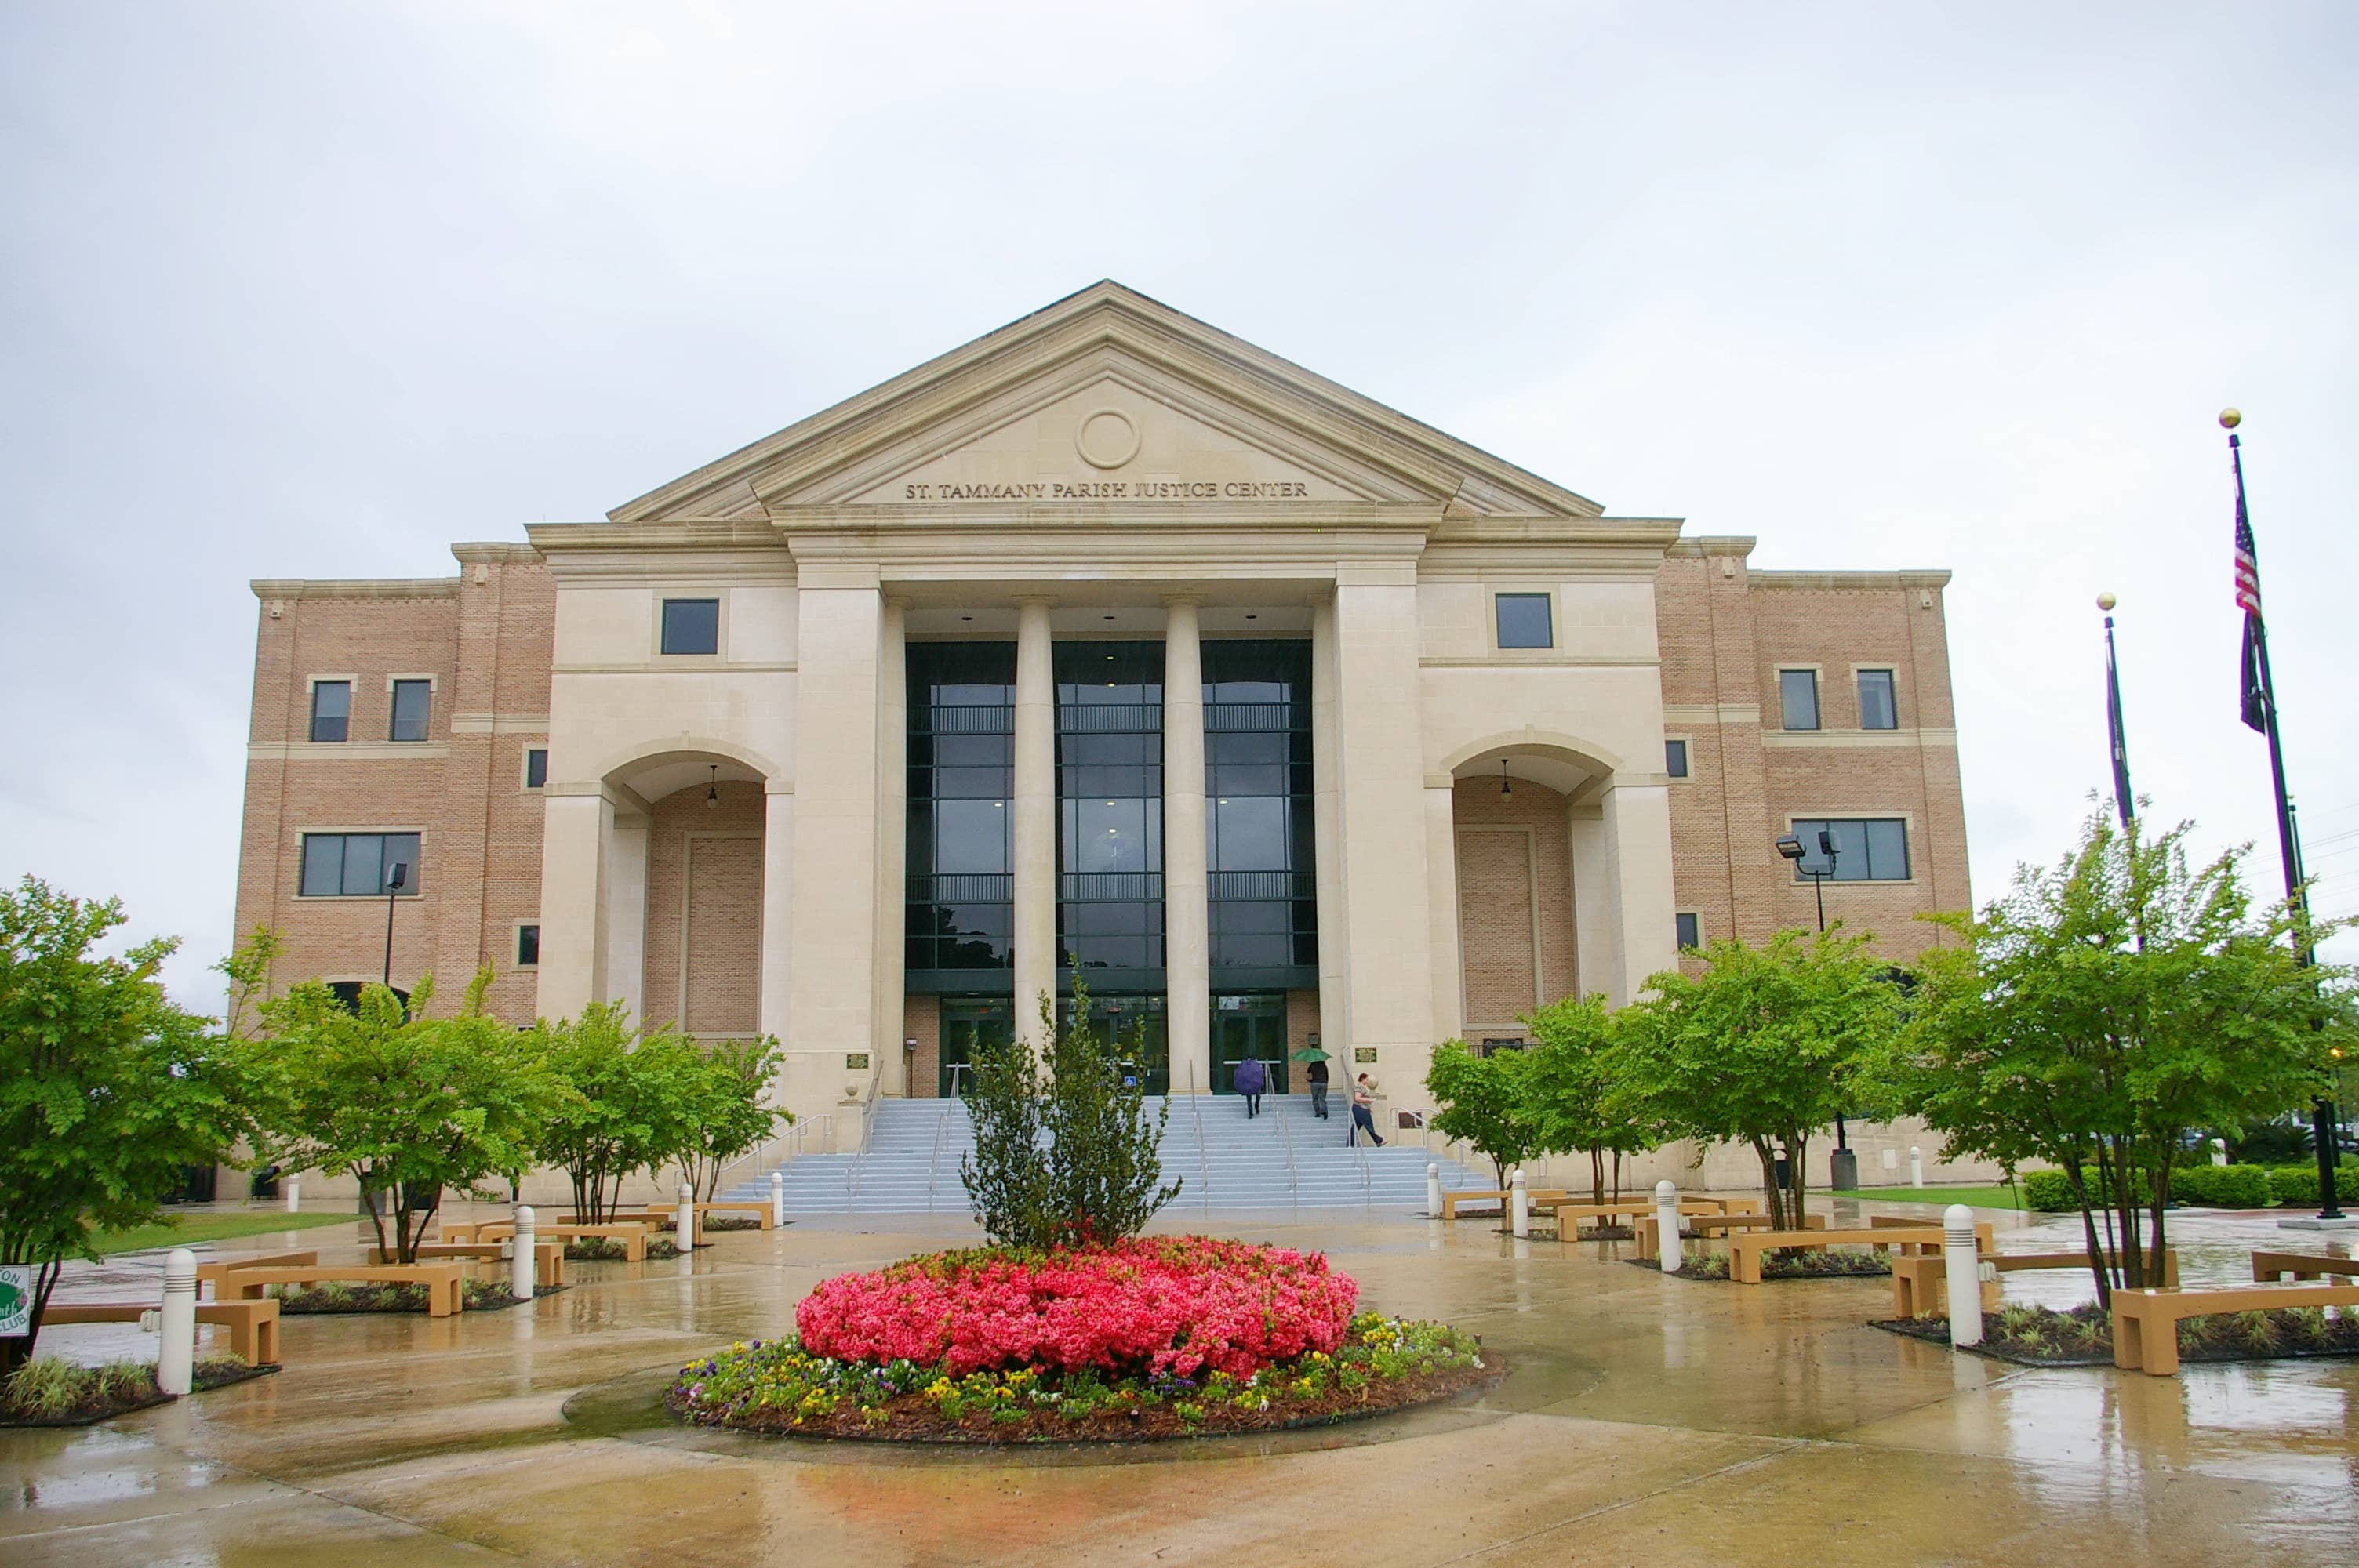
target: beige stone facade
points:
(722, 837)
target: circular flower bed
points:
(1152, 1337)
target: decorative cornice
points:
(1855, 740)
(355, 588)
(347, 751)
(497, 553)
(1846, 583)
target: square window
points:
(412, 701)
(692, 625)
(331, 710)
(527, 946)
(1690, 933)
(1798, 698)
(1877, 711)
(1675, 758)
(536, 767)
(1865, 849)
(1524, 621)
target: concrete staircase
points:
(1283, 1159)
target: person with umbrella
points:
(1317, 1076)
(1249, 1081)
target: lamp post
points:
(1843, 1168)
(393, 881)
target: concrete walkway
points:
(1648, 1421)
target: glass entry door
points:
(1250, 1024)
(968, 1025)
(1135, 1030)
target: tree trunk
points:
(370, 1195)
(1798, 1151)
(1769, 1188)
(1597, 1175)
(2097, 1265)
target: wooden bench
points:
(213, 1273)
(662, 1214)
(1745, 1250)
(252, 1325)
(1487, 1195)
(440, 1280)
(632, 1234)
(1983, 1235)
(1706, 1225)
(1920, 1283)
(2267, 1266)
(548, 1257)
(2146, 1323)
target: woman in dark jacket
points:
(1249, 1081)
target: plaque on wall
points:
(855, 1061)
(1366, 1056)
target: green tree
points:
(108, 1091)
(1570, 1081)
(1488, 1103)
(728, 1117)
(1764, 1048)
(1065, 1154)
(2108, 1006)
(634, 1096)
(410, 1104)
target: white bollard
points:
(1916, 1166)
(1432, 1191)
(684, 1226)
(1667, 1226)
(176, 1357)
(293, 1193)
(778, 1199)
(2219, 1150)
(524, 1260)
(1519, 1206)
(1963, 1266)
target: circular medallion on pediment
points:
(1106, 439)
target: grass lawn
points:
(181, 1229)
(1974, 1197)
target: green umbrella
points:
(1308, 1053)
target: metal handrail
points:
(934, 1164)
(1196, 1115)
(1286, 1139)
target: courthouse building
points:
(1106, 642)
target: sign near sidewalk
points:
(16, 1300)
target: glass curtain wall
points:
(1258, 822)
(1110, 833)
(961, 916)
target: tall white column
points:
(1033, 834)
(1187, 936)
(892, 838)
(626, 910)
(1441, 874)
(575, 822)
(1623, 904)
(832, 958)
(1387, 894)
(777, 905)
(1327, 849)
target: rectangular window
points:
(527, 946)
(412, 701)
(1675, 758)
(1798, 698)
(535, 766)
(1690, 933)
(1865, 849)
(331, 710)
(358, 865)
(1524, 621)
(692, 625)
(1877, 711)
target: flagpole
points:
(2322, 1121)
(2116, 734)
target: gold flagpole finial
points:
(2106, 602)
(2230, 418)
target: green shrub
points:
(2270, 1143)
(2221, 1186)
(2046, 1191)
(2298, 1183)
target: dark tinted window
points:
(1675, 758)
(1798, 698)
(527, 945)
(331, 710)
(1524, 621)
(1866, 850)
(535, 766)
(1690, 933)
(692, 625)
(1877, 709)
(412, 700)
(356, 865)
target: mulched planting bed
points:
(1799, 1264)
(60, 1394)
(334, 1297)
(2037, 1336)
(777, 1388)
(606, 1249)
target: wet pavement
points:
(1645, 1421)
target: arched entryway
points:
(1513, 862)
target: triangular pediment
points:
(1106, 395)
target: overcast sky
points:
(304, 290)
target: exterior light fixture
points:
(1507, 790)
(712, 788)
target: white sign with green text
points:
(16, 1300)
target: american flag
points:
(2255, 697)
(2248, 570)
